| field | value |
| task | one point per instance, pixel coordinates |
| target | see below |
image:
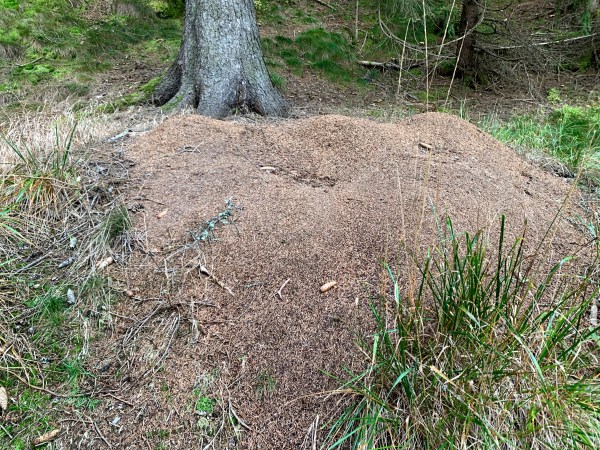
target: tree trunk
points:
(465, 48)
(220, 67)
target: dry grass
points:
(61, 214)
(37, 129)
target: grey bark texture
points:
(220, 67)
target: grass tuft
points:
(569, 135)
(475, 360)
(39, 180)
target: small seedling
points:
(206, 232)
(265, 384)
(205, 405)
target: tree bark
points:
(465, 48)
(220, 67)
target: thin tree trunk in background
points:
(465, 48)
(220, 67)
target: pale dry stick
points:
(315, 431)
(388, 33)
(281, 288)
(95, 425)
(129, 336)
(204, 271)
(42, 389)
(444, 36)
(174, 327)
(240, 421)
(125, 402)
(311, 434)
(426, 57)
(32, 263)
(5, 431)
(453, 74)
(364, 42)
(402, 60)
(541, 44)
(222, 425)
(356, 23)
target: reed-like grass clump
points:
(487, 354)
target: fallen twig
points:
(119, 136)
(125, 402)
(42, 389)
(239, 420)
(387, 65)
(32, 263)
(281, 288)
(31, 62)
(95, 425)
(204, 271)
(321, 2)
(539, 44)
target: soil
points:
(237, 320)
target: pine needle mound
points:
(229, 338)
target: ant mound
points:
(244, 224)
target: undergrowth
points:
(487, 354)
(569, 135)
(59, 218)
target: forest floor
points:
(217, 333)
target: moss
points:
(59, 40)
(149, 87)
(317, 49)
(446, 68)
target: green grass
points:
(571, 135)
(488, 353)
(40, 180)
(141, 95)
(265, 384)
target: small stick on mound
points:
(204, 270)
(328, 286)
(281, 288)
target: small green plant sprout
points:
(554, 95)
(206, 231)
(204, 405)
(473, 359)
(265, 384)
